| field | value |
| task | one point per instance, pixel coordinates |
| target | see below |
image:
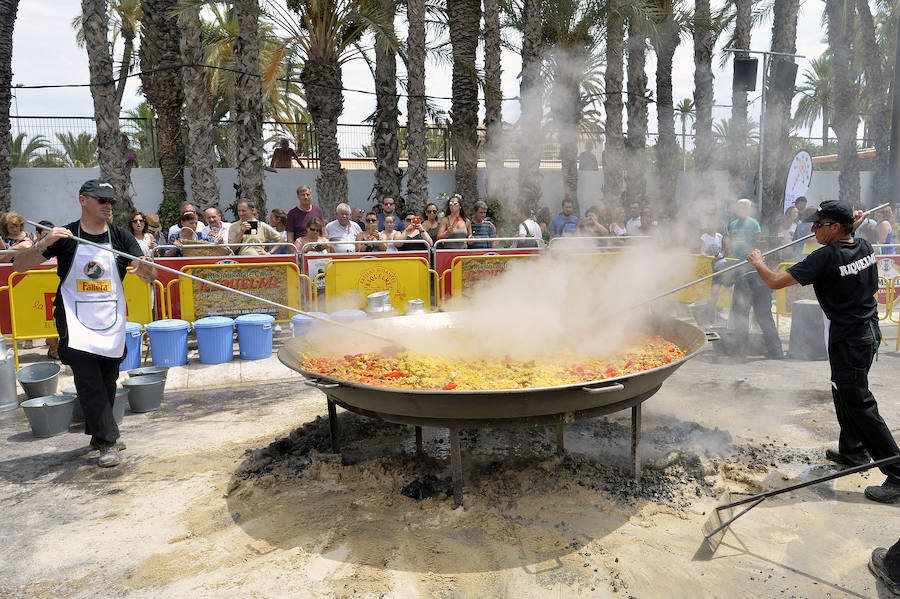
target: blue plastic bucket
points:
(133, 343)
(168, 341)
(303, 324)
(348, 315)
(215, 338)
(255, 336)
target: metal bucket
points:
(39, 380)
(118, 407)
(49, 416)
(145, 392)
(9, 396)
(149, 370)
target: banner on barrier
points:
(468, 272)
(277, 282)
(349, 282)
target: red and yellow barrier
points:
(348, 282)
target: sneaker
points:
(878, 568)
(109, 456)
(886, 492)
(847, 459)
(99, 446)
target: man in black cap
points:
(844, 275)
(90, 307)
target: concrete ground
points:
(181, 516)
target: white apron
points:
(94, 301)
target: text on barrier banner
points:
(467, 272)
(278, 282)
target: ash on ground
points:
(681, 461)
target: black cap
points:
(98, 188)
(837, 211)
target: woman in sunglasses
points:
(455, 225)
(371, 234)
(430, 222)
(137, 224)
(314, 228)
(414, 231)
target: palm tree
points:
(95, 23)
(248, 106)
(493, 105)
(531, 100)
(737, 143)
(685, 110)
(197, 112)
(776, 124)
(24, 154)
(324, 37)
(386, 122)
(416, 144)
(665, 37)
(8, 10)
(636, 106)
(817, 96)
(704, 143)
(79, 151)
(571, 34)
(163, 88)
(464, 17)
(613, 158)
(841, 24)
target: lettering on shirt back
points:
(855, 267)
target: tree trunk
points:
(666, 145)
(161, 81)
(565, 107)
(248, 92)
(531, 135)
(704, 143)
(737, 131)
(777, 120)
(322, 84)
(128, 35)
(841, 28)
(464, 17)
(613, 150)
(416, 140)
(110, 145)
(636, 140)
(493, 105)
(201, 146)
(8, 9)
(387, 143)
(878, 69)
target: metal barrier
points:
(440, 243)
(405, 277)
(611, 242)
(230, 246)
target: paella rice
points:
(409, 370)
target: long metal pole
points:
(216, 285)
(743, 262)
(762, 128)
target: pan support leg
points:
(560, 439)
(456, 473)
(334, 426)
(418, 440)
(636, 442)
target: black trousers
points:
(862, 428)
(95, 380)
(751, 291)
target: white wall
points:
(51, 193)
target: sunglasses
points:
(409, 220)
(389, 203)
(314, 230)
(454, 203)
(432, 211)
(371, 220)
(137, 220)
(103, 201)
(820, 225)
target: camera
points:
(254, 225)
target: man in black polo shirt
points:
(844, 276)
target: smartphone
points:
(416, 220)
(254, 224)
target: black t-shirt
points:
(64, 251)
(844, 276)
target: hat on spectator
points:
(98, 188)
(835, 210)
(153, 222)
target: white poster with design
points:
(799, 176)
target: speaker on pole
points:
(744, 74)
(784, 74)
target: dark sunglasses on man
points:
(101, 201)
